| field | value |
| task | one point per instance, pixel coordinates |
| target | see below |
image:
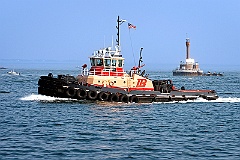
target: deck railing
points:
(104, 72)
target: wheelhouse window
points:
(107, 62)
(99, 62)
(120, 63)
(114, 62)
(92, 61)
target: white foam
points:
(219, 100)
(230, 99)
(201, 100)
(37, 97)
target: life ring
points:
(81, 94)
(70, 92)
(111, 83)
(104, 82)
(113, 97)
(124, 98)
(92, 95)
(134, 99)
(103, 96)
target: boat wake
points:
(43, 98)
(219, 100)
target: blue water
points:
(40, 127)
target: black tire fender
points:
(92, 95)
(81, 94)
(113, 97)
(40, 82)
(40, 90)
(103, 96)
(134, 99)
(124, 98)
(70, 92)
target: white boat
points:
(12, 72)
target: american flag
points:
(131, 26)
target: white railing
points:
(86, 71)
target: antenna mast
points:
(140, 60)
(118, 32)
(119, 22)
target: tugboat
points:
(106, 80)
(190, 68)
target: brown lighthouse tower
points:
(188, 48)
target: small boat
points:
(212, 74)
(12, 72)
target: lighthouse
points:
(189, 68)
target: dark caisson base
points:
(187, 73)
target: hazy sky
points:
(70, 30)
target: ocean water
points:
(39, 127)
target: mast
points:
(140, 58)
(118, 32)
(140, 61)
(119, 22)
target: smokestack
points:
(188, 48)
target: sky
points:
(64, 33)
